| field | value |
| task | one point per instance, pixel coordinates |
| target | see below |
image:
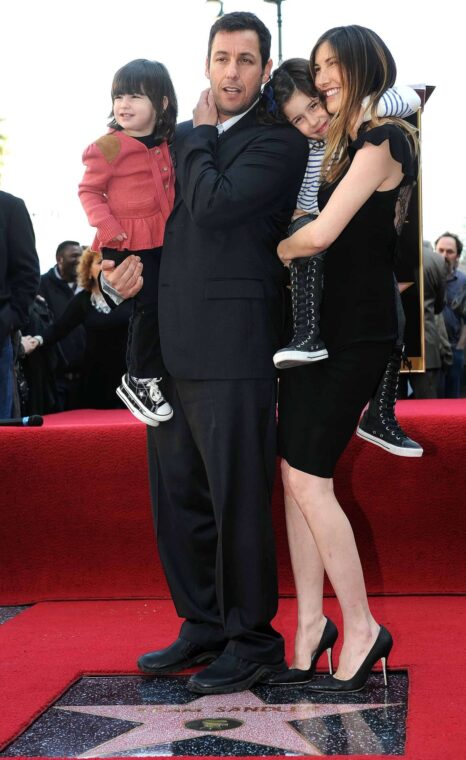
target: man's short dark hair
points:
(242, 21)
(66, 244)
(459, 244)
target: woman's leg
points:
(308, 572)
(334, 540)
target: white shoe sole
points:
(147, 415)
(285, 359)
(133, 409)
(396, 450)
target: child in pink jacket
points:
(128, 192)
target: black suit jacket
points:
(71, 348)
(19, 264)
(221, 292)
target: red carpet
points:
(75, 519)
(49, 646)
(75, 524)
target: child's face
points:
(308, 115)
(135, 114)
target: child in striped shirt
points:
(291, 96)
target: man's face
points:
(446, 247)
(235, 72)
(68, 261)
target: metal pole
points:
(279, 23)
(278, 3)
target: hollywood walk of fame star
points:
(242, 717)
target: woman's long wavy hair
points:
(85, 278)
(367, 68)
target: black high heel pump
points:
(297, 676)
(380, 651)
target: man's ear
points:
(266, 72)
(207, 70)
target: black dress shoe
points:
(229, 674)
(380, 651)
(178, 656)
(297, 676)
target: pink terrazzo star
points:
(253, 721)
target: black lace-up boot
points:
(306, 294)
(379, 424)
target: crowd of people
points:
(193, 274)
(69, 350)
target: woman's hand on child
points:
(206, 111)
(122, 236)
(126, 278)
(283, 251)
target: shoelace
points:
(303, 308)
(389, 420)
(154, 390)
(387, 407)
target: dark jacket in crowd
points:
(71, 348)
(104, 360)
(19, 264)
(39, 367)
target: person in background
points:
(127, 192)
(58, 286)
(106, 335)
(450, 247)
(39, 367)
(425, 384)
(19, 283)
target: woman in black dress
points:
(368, 172)
(106, 336)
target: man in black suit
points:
(58, 286)
(19, 283)
(221, 312)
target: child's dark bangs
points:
(127, 83)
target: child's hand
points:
(206, 110)
(297, 213)
(122, 236)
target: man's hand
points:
(206, 110)
(29, 343)
(126, 278)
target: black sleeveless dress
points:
(320, 403)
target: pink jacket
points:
(127, 188)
